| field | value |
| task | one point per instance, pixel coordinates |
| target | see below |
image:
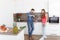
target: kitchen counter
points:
(11, 36)
(10, 33)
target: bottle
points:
(15, 28)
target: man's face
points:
(32, 11)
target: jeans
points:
(43, 29)
(30, 27)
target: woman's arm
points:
(46, 17)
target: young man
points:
(30, 23)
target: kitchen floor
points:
(37, 37)
(53, 38)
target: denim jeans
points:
(43, 29)
(30, 27)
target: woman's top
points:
(43, 19)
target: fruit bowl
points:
(4, 30)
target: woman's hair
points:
(43, 14)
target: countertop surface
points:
(10, 33)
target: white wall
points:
(6, 12)
(54, 7)
(26, 5)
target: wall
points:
(6, 12)
(26, 5)
(54, 7)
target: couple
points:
(31, 24)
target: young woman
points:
(44, 18)
(30, 23)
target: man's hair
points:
(33, 9)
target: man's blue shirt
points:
(29, 16)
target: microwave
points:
(53, 19)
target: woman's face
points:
(42, 11)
